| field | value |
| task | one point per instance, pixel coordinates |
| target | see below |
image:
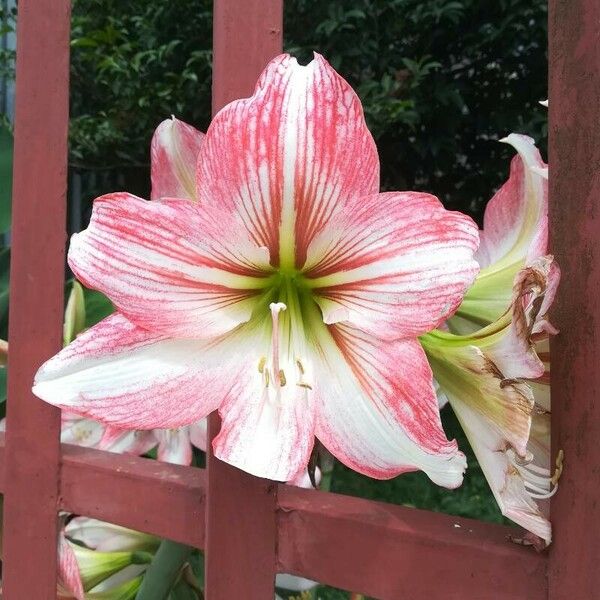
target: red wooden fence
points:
(253, 528)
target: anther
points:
(261, 364)
(282, 381)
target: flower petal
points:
(174, 153)
(121, 374)
(266, 430)
(174, 446)
(467, 375)
(515, 224)
(199, 433)
(294, 583)
(377, 408)
(79, 431)
(396, 264)
(127, 441)
(514, 353)
(287, 158)
(106, 537)
(165, 266)
(69, 579)
(503, 478)
(515, 233)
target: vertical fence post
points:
(36, 297)
(240, 527)
(574, 43)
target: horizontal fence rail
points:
(379, 549)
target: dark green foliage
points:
(440, 80)
(133, 64)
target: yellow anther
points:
(282, 380)
(304, 385)
(559, 467)
(300, 367)
(261, 364)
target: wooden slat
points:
(384, 550)
(36, 295)
(241, 526)
(574, 35)
(392, 552)
(143, 494)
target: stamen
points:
(276, 308)
(538, 482)
(261, 364)
(282, 380)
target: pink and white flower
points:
(494, 368)
(289, 297)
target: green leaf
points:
(2, 385)
(6, 166)
(4, 289)
(97, 307)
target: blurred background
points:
(441, 81)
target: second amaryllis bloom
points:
(289, 296)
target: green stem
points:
(163, 571)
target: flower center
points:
(294, 314)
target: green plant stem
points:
(163, 571)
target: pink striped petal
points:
(266, 430)
(377, 409)
(69, 579)
(174, 446)
(287, 158)
(264, 438)
(120, 374)
(165, 265)
(127, 441)
(396, 265)
(174, 153)
(515, 224)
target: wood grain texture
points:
(574, 49)
(392, 552)
(36, 295)
(240, 519)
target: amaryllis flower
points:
(486, 376)
(496, 374)
(289, 297)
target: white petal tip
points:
(515, 138)
(544, 103)
(542, 171)
(452, 476)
